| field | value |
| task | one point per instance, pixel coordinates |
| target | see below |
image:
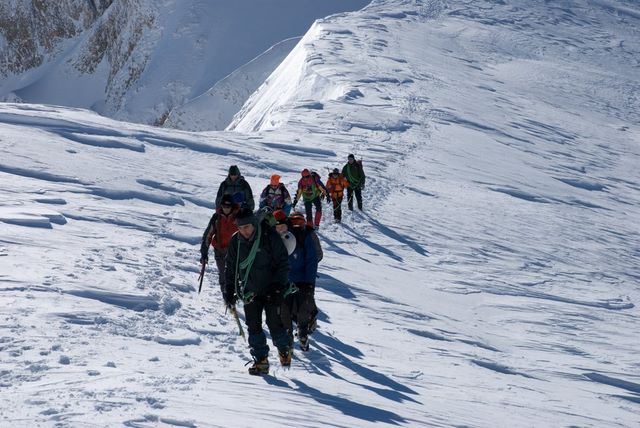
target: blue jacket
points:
(303, 262)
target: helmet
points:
(335, 171)
(297, 219)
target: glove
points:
(229, 299)
(362, 186)
(275, 298)
(204, 260)
(304, 286)
(328, 198)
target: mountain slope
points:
(138, 59)
(490, 281)
(214, 109)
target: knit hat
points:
(305, 172)
(280, 216)
(234, 170)
(246, 216)
(351, 156)
(275, 180)
(226, 201)
(335, 171)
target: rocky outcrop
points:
(31, 31)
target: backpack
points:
(318, 180)
(297, 220)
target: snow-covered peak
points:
(137, 60)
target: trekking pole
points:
(201, 277)
(234, 312)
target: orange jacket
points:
(336, 185)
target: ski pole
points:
(201, 277)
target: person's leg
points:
(358, 193)
(337, 209)
(285, 314)
(309, 211)
(350, 198)
(318, 203)
(219, 257)
(257, 338)
(276, 327)
(279, 334)
(305, 308)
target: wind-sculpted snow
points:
(491, 279)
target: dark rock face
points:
(33, 29)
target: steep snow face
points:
(215, 109)
(142, 58)
(491, 279)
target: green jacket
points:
(354, 174)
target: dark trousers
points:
(308, 207)
(358, 192)
(299, 307)
(257, 338)
(337, 207)
(220, 255)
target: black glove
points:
(276, 296)
(204, 260)
(305, 285)
(328, 198)
(229, 299)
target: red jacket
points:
(221, 228)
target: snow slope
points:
(214, 109)
(491, 280)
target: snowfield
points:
(492, 279)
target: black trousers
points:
(337, 207)
(299, 307)
(219, 255)
(257, 337)
(358, 192)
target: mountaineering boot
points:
(259, 367)
(285, 356)
(304, 343)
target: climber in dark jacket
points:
(236, 186)
(257, 270)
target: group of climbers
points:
(261, 266)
